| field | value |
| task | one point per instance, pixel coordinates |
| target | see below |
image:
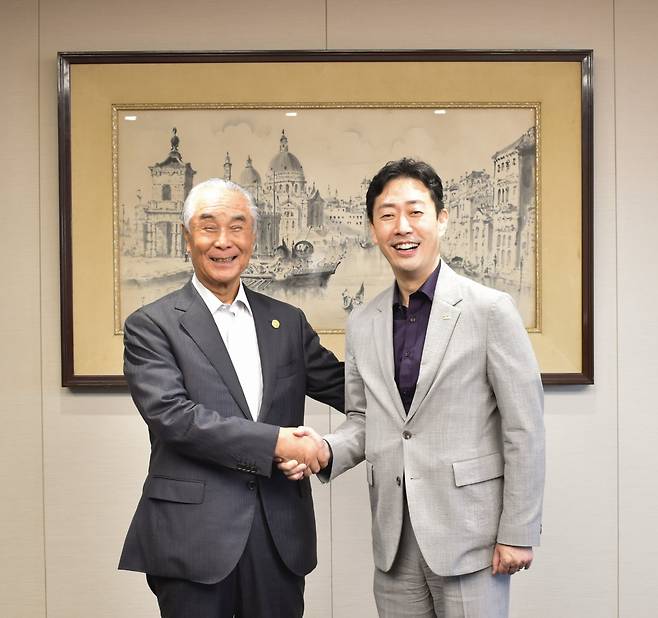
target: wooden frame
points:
(559, 82)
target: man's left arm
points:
(514, 376)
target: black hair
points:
(405, 168)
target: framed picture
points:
(510, 133)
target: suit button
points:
(251, 485)
(406, 435)
(398, 480)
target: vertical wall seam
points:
(617, 307)
(40, 304)
(326, 24)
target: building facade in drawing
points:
(153, 229)
(514, 191)
(492, 217)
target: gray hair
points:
(210, 192)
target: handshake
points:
(300, 451)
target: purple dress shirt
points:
(409, 330)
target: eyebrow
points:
(207, 215)
(393, 204)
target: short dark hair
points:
(405, 168)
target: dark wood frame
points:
(66, 59)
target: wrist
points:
(281, 439)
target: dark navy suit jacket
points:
(211, 463)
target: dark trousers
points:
(260, 586)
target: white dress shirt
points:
(235, 323)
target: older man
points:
(219, 373)
(444, 401)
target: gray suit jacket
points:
(211, 464)
(470, 453)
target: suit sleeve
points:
(514, 376)
(348, 442)
(325, 375)
(158, 389)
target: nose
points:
(404, 226)
(222, 240)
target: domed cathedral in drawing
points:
(250, 179)
(287, 208)
(286, 173)
(285, 191)
(171, 181)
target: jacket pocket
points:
(175, 490)
(477, 470)
(370, 473)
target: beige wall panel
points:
(471, 24)
(317, 596)
(173, 25)
(352, 562)
(637, 197)
(96, 459)
(22, 591)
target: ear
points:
(372, 235)
(188, 239)
(442, 222)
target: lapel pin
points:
(445, 316)
(276, 323)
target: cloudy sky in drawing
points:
(337, 147)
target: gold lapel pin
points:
(276, 323)
(445, 316)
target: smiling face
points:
(220, 241)
(406, 228)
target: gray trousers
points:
(411, 590)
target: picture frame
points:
(93, 87)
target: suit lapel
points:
(441, 325)
(201, 327)
(382, 335)
(268, 338)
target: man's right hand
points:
(295, 469)
(296, 445)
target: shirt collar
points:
(427, 289)
(213, 303)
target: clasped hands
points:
(300, 451)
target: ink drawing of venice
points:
(308, 171)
